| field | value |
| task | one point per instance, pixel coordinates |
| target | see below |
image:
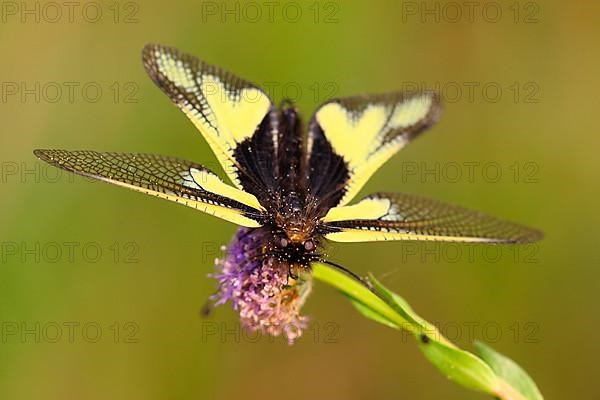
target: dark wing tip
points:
(530, 235)
(511, 233)
(149, 59)
(55, 157)
(149, 48)
(436, 107)
(44, 154)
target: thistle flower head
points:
(260, 286)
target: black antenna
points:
(364, 281)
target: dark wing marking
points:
(169, 178)
(237, 119)
(350, 138)
(396, 216)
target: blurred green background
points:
(125, 323)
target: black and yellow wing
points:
(350, 138)
(236, 118)
(396, 216)
(169, 178)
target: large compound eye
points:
(309, 245)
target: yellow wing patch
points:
(234, 114)
(225, 109)
(367, 131)
(352, 137)
(206, 180)
(396, 216)
(219, 211)
(374, 208)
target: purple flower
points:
(261, 287)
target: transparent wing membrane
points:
(169, 178)
(395, 216)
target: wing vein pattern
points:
(236, 118)
(397, 216)
(174, 179)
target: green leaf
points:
(417, 325)
(373, 315)
(492, 373)
(460, 366)
(398, 303)
(509, 371)
(369, 303)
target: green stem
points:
(493, 373)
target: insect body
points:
(292, 184)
